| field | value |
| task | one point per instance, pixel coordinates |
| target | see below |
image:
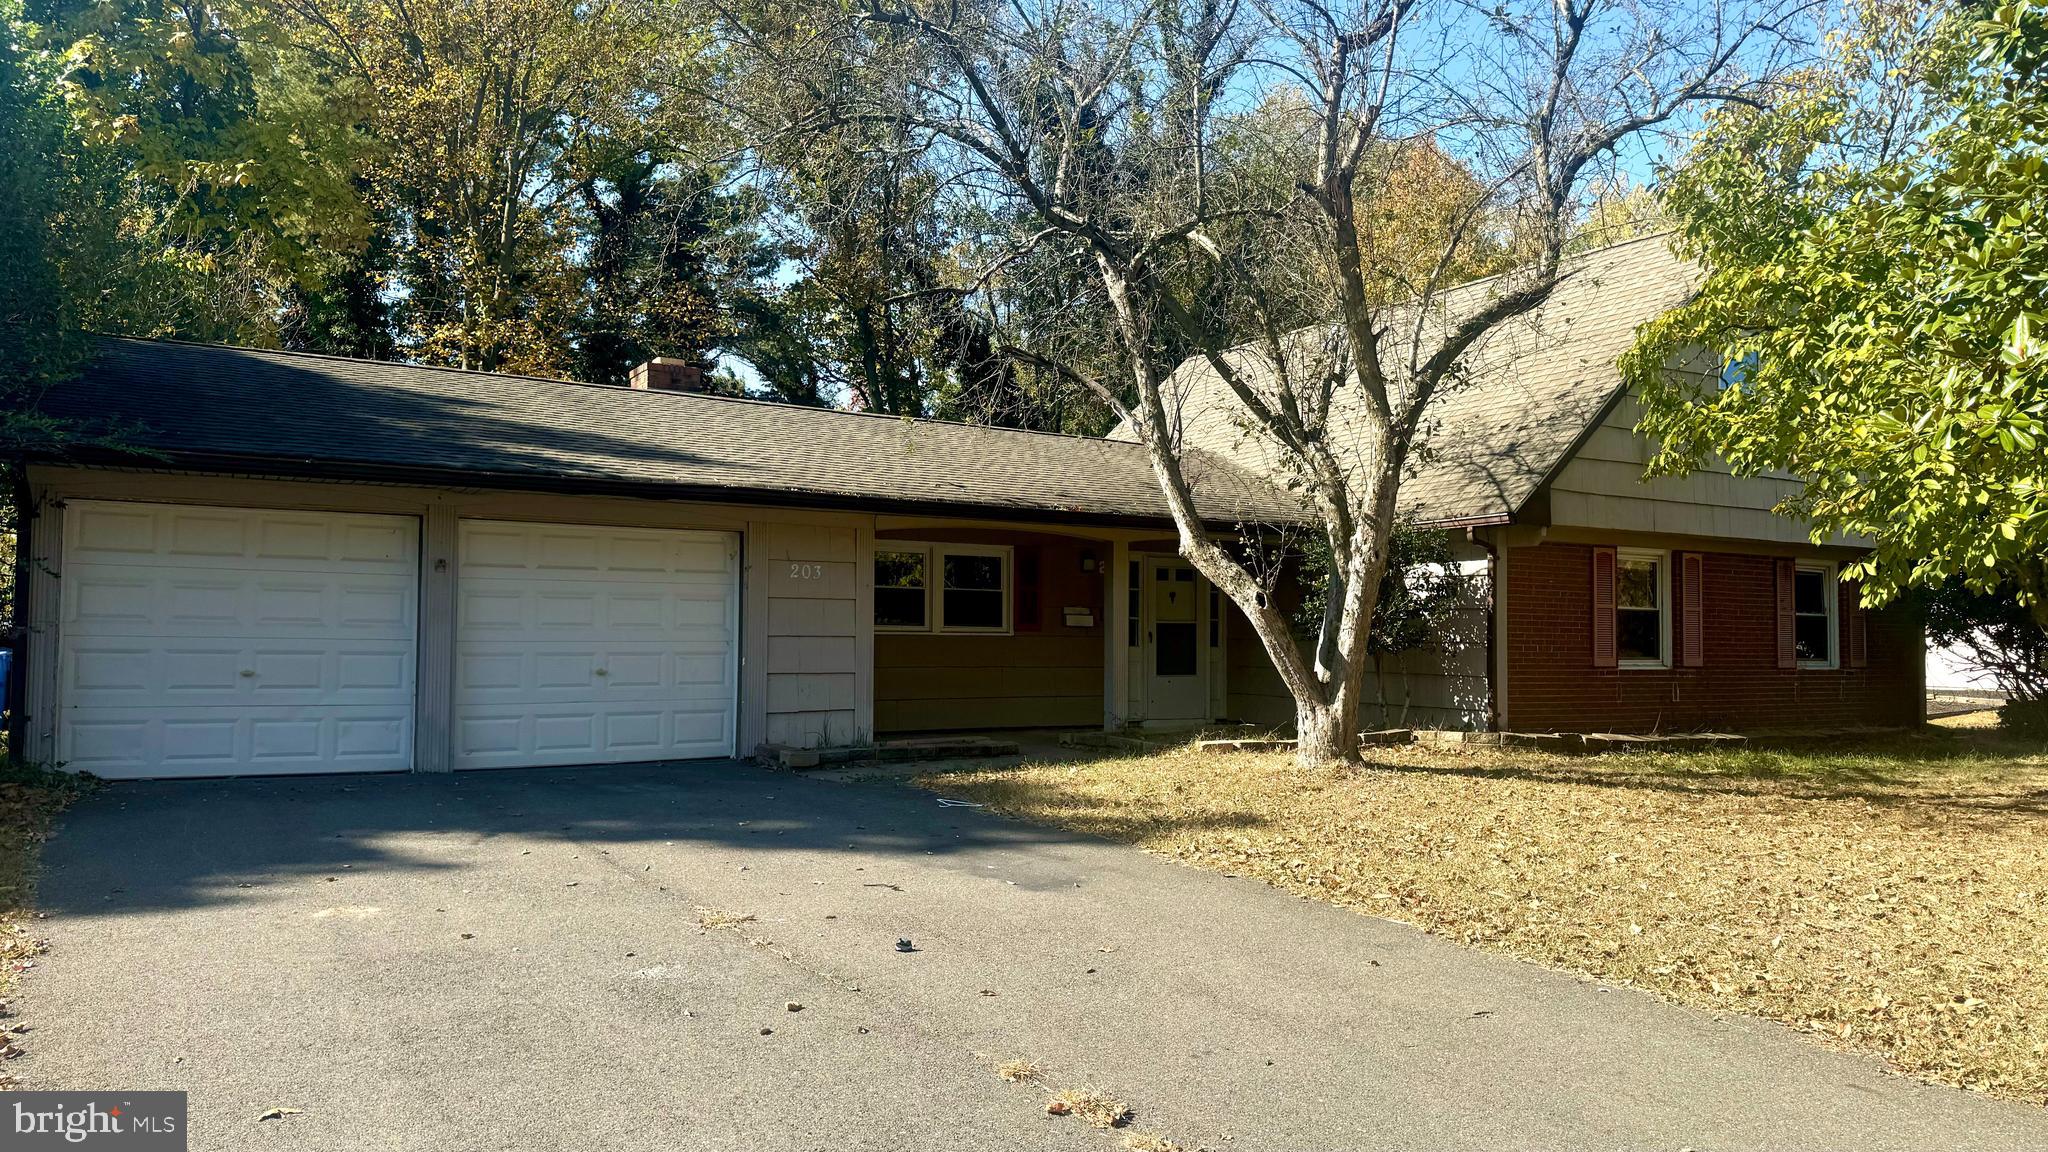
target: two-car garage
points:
(209, 641)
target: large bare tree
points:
(1225, 171)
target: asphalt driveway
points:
(513, 960)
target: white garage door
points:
(589, 645)
(228, 641)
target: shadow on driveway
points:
(163, 845)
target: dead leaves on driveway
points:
(719, 918)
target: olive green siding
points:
(1045, 674)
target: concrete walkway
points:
(513, 960)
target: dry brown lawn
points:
(1888, 895)
(29, 801)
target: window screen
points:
(972, 595)
(1811, 637)
(1639, 608)
(900, 584)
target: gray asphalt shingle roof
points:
(191, 405)
(1532, 387)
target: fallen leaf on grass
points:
(1784, 882)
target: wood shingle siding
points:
(1603, 487)
(811, 575)
(933, 683)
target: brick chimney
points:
(668, 374)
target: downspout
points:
(1493, 597)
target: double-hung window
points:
(942, 588)
(1813, 615)
(974, 589)
(1642, 609)
(903, 589)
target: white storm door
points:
(1175, 656)
(580, 644)
(203, 641)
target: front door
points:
(1176, 661)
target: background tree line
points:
(538, 186)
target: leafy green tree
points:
(40, 303)
(34, 321)
(224, 176)
(872, 242)
(1877, 256)
(673, 261)
(532, 185)
(37, 340)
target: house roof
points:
(233, 409)
(1532, 388)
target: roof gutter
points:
(1487, 521)
(596, 485)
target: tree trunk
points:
(1325, 734)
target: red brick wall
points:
(1553, 686)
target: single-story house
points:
(301, 563)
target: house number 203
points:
(806, 571)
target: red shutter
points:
(1855, 630)
(1788, 633)
(1692, 618)
(1603, 607)
(1028, 610)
